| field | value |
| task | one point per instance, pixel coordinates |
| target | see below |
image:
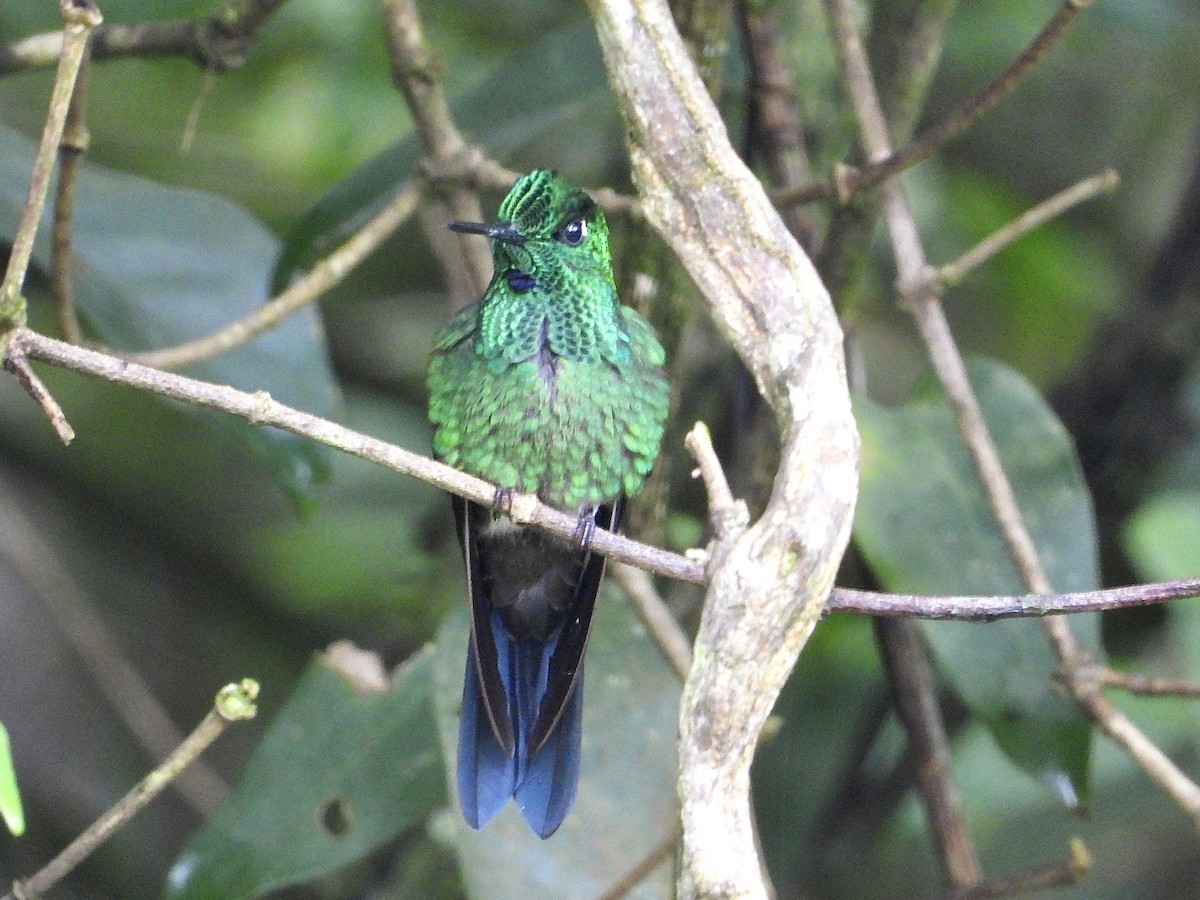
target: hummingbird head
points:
(548, 231)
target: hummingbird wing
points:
(470, 519)
(566, 662)
(487, 773)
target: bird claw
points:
(585, 527)
(502, 501)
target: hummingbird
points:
(547, 385)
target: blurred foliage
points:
(10, 798)
(184, 533)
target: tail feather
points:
(487, 775)
(546, 792)
(545, 784)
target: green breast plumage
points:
(566, 407)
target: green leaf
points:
(10, 799)
(924, 526)
(342, 770)
(1161, 535)
(627, 803)
(155, 265)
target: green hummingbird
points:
(547, 385)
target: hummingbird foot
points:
(502, 501)
(585, 527)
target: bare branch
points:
(71, 148)
(890, 163)
(80, 17)
(645, 867)
(916, 285)
(218, 43)
(768, 584)
(650, 608)
(16, 363)
(320, 279)
(1055, 875)
(728, 516)
(953, 272)
(416, 75)
(990, 608)
(914, 697)
(1149, 686)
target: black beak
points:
(506, 233)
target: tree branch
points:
(259, 409)
(882, 166)
(916, 283)
(216, 43)
(769, 583)
(80, 17)
(416, 75)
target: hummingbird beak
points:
(505, 233)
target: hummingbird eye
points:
(573, 233)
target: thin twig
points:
(320, 279)
(115, 677)
(729, 517)
(914, 697)
(71, 148)
(849, 181)
(217, 43)
(991, 608)
(645, 867)
(1055, 875)
(1148, 685)
(234, 702)
(16, 363)
(80, 17)
(1075, 667)
(652, 610)
(953, 272)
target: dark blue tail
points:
(544, 785)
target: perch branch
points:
(259, 409)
